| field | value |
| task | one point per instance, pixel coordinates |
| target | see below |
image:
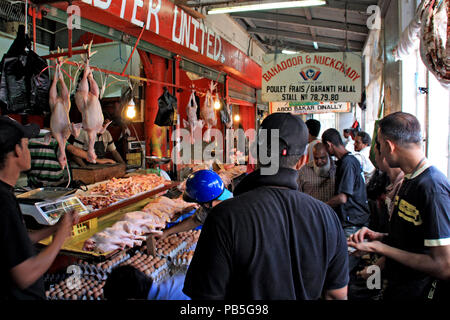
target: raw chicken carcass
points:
(128, 232)
(87, 100)
(208, 114)
(192, 123)
(60, 125)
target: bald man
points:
(317, 177)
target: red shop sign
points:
(187, 35)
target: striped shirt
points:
(45, 168)
(321, 188)
(82, 141)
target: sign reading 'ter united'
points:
(312, 77)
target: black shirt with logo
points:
(268, 242)
(15, 247)
(420, 220)
(350, 180)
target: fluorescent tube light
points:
(268, 6)
(316, 46)
(288, 52)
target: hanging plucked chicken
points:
(207, 112)
(87, 101)
(192, 123)
(60, 125)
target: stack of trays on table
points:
(156, 268)
(85, 281)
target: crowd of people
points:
(298, 234)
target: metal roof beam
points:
(303, 22)
(340, 43)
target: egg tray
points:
(183, 259)
(156, 268)
(177, 243)
(82, 288)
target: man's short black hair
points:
(127, 282)
(313, 127)
(365, 138)
(347, 131)
(402, 128)
(333, 136)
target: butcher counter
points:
(93, 173)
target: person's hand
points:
(365, 234)
(65, 224)
(363, 273)
(364, 247)
(105, 161)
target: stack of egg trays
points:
(162, 272)
(83, 294)
(173, 253)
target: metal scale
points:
(46, 205)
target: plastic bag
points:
(13, 93)
(39, 83)
(225, 115)
(167, 108)
(23, 88)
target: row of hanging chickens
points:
(87, 102)
(207, 114)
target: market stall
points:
(116, 218)
(150, 80)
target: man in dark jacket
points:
(238, 258)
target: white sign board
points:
(303, 108)
(312, 77)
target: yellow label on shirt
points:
(409, 212)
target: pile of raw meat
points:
(132, 229)
(105, 194)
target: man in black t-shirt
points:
(271, 241)
(417, 247)
(21, 268)
(350, 199)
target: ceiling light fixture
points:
(268, 6)
(288, 52)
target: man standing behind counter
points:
(103, 143)
(21, 266)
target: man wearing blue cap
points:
(206, 188)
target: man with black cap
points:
(271, 241)
(21, 267)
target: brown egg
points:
(74, 297)
(148, 272)
(66, 296)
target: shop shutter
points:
(202, 71)
(240, 91)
